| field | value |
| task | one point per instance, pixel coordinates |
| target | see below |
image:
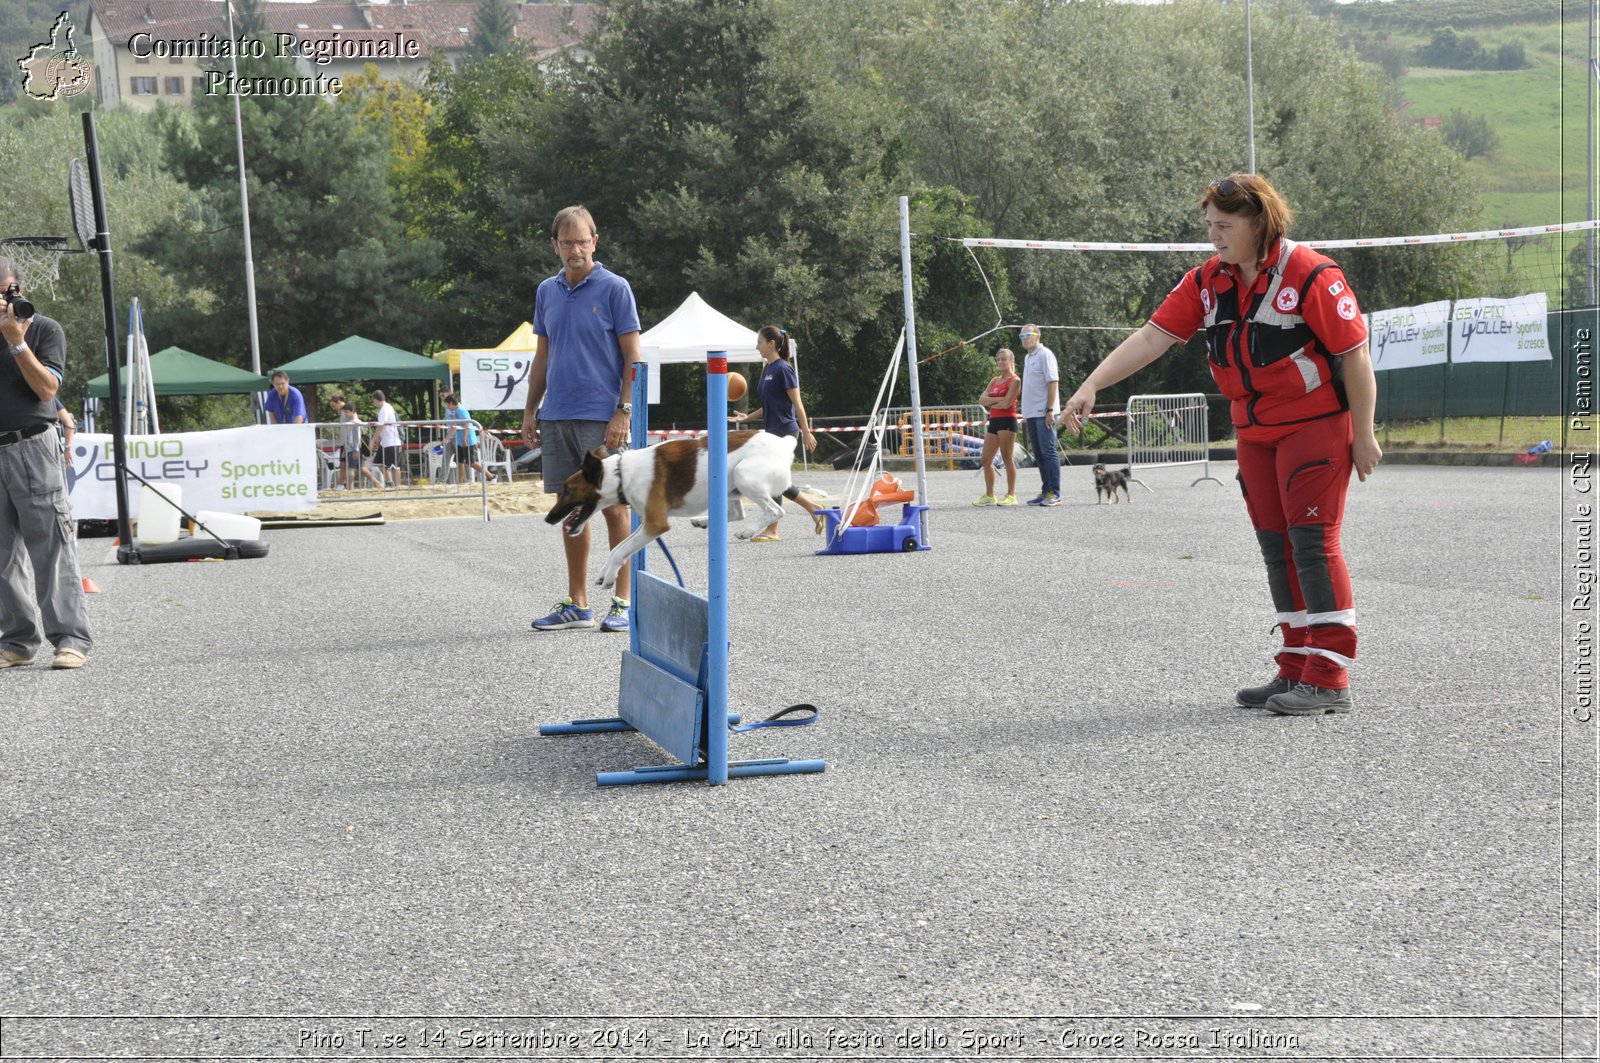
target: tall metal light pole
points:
(1250, 83)
(1589, 165)
(244, 213)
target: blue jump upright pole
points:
(639, 438)
(717, 567)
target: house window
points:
(174, 86)
(143, 86)
(197, 85)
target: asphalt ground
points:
(291, 795)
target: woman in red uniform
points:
(1287, 345)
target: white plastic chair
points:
(496, 455)
(330, 467)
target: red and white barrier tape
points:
(696, 433)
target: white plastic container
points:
(158, 521)
(228, 525)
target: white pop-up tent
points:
(692, 330)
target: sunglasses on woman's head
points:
(1227, 188)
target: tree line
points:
(754, 150)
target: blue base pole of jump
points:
(603, 725)
(738, 769)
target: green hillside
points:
(1536, 174)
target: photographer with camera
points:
(35, 516)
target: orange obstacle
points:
(885, 491)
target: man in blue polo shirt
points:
(587, 329)
(285, 405)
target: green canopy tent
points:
(181, 372)
(355, 358)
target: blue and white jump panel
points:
(674, 677)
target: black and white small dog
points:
(1106, 484)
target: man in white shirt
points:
(1040, 406)
(386, 439)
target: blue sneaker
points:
(1037, 500)
(565, 615)
(617, 618)
(1050, 498)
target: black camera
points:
(19, 306)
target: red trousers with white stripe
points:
(1295, 490)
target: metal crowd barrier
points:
(1166, 430)
(428, 467)
(950, 434)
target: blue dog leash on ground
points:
(777, 719)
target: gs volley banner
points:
(495, 380)
(1410, 336)
(1500, 330)
(235, 470)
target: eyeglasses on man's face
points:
(573, 245)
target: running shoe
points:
(985, 500)
(564, 616)
(1008, 500)
(617, 617)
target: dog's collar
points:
(622, 499)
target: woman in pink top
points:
(1000, 399)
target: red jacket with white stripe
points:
(1275, 349)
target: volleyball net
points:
(1474, 334)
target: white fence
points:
(1165, 430)
(427, 463)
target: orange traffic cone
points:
(90, 586)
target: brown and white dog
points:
(670, 480)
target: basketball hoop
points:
(38, 257)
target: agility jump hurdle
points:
(1165, 430)
(674, 679)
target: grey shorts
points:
(564, 444)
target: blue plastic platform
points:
(905, 537)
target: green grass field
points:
(1537, 173)
(1513, 435)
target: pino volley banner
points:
(495, 380)
(234, 470)
(1500, 330)
(1410, 336)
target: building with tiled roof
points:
(147, 52)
